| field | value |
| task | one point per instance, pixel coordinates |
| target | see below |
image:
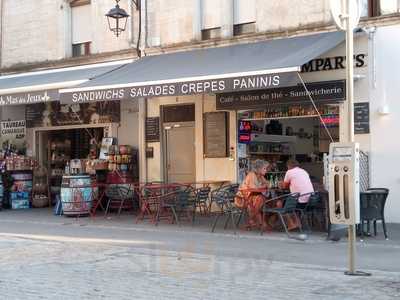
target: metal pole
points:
(350, 101)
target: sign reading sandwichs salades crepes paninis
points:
(178, 88)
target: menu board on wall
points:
(153, 129)
(216, 134)
(56, 114)
(361, 118)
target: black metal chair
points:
(289, 208)
(372, 209)
(230, 188)
(120, 197)
(202, 199)
(307, 212)
(186, 203)
(225, 201)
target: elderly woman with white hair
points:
(250, 194)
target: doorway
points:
(180, 153)
(179, 143)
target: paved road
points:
(46, 258)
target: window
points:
(239, 29)
(81, 27)
(80, 49)
(389, 7)
(211, 19)
(374, 8)
(211, 33)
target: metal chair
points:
(307, 212)
(372, 208)
(225, 201)
(119, 197)
(202, 199)
(230, 188)
(289, 208)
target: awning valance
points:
(260, 65)
(43, 86)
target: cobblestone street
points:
(101, 262)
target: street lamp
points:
(117, 18)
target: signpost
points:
(346, 14)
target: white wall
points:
(128, 132)
(385, 129)
(206, 168)
(40, 30)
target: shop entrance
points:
(179, 142)
(281, 132)
(58, 147)
(181, 153)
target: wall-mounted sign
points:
(323, 92)
(244, 136)
(153, 129)
(361, 118)
(332, 63)
(216, 138)
(221, 85)
(57, 114)
(29, 98)
(13, 132)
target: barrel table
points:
(76, 195)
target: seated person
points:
(254, 200)
(298, 181)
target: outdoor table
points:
(207, 183)
(149, 203)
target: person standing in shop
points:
(298, 181)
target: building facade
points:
(46, 35)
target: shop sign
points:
(57, 114)
(13, 132)
(220, 85)
(245, 129)
(324, 91)
(361, 118)
(332, 63)
(29, 98)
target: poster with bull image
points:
(13, 134)
(56, 114)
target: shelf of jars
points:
(287, 112)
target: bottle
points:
(67, 168)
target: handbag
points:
(239, 200)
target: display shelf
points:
(272, 138)
(289, 117)
(269, 153)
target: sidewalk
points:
(52, 257)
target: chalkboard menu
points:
(361, 118)
(153, 129)
(216, 134)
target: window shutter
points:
(211, 14)
(81, 24)
(244, 11)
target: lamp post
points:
(117, 19)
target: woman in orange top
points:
(254, 200)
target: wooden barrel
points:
(76, 195)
